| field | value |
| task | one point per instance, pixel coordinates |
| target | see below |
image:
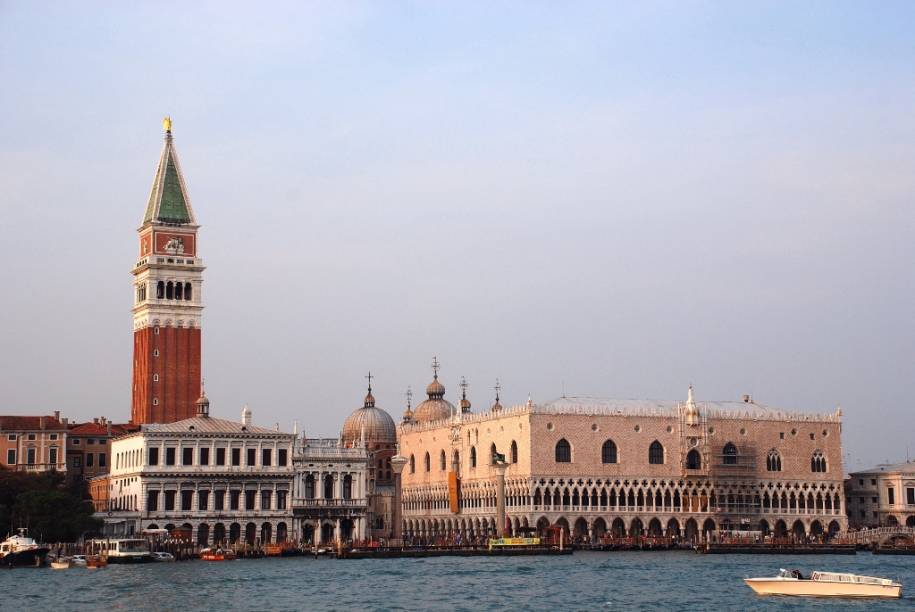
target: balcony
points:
(303, 502)
(41, 467)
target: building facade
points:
(33, 443)
(224, 481)
(883, 496)
(168, 301)
(627, 467)
(89, 447)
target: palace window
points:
(281, 457)
(251, 456)
(328, 486)
(310, 487)
(281, 500)
(891, 496)
(220, 456)
(473, 456)
(428, 463)
(910, 496)
(412, 464)
(152, 501)
(818, 462)
(266, 456)
(773, 461)
(442, 461)
(347, 487)
(249, 499)
(492, 454)
(514, 452)
(236, 457)
(265, 499)
(203, 499)
(219, 500)
(204, 456)
(153, 456)
(170, 500)
(656, 453)
(563, 451)
(187, 457)
(608, 452)
(187, 497)
(729, 454)
(234, 498)
(169, 456)
(693, 460)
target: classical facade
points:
(883, 496)
(224, 481)
(168, 304)
(33, 443)
(624, 467)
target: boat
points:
(163, 556)
(20, 550)
(78, 561)
(824, 584)
(122, 551)
(61, 563)
(217, 554)
(95, 562)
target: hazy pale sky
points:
(610, 199)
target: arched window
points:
(179, 291)
(310, 487)
(347, 487)
(456, 460)
(160, 290)
(563, 451)
(473, 456)
(442, 461)
(818, 462)
(492, 454)
(328, 486)
(412, 464)
(656, 453)
(693, 460)
(608, 452)
(187, 291)
(514, 452)
(729, 454)
(773, 461)
(169, 291)
(428, 463)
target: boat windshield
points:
(851, 578)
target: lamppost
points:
(397, 463)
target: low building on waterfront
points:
(883, 496)
(224, 481)
(629, 467)
(89, 447)
(33, 443)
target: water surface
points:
(583, 581)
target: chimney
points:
(41, 422)
(747, 399)
(109, 429)
(246, 415)
(65, 421)
(57, 415)
(95, 420)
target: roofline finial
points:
(167, 125)
(435, 366)
(369, 377)
(498, 388)
(463, 388)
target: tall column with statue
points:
(398, 462)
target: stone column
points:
(398, 462)
(500, 468)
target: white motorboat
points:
(824, 584)
(22, 550)
(61, 563)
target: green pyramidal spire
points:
(168, 200)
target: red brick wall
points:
(178, 367)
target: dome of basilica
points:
(376, 424)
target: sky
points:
(600, 199)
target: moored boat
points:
(824, 584)
(217, 554)
(21, 550)
(61, 563)
(122, 551)
(95, 562)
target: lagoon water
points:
(583, 581)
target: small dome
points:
(435, 389)
(497, 407)
(376, 424)
(465, 404)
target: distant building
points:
(33, 443)
(168, 301)
(882, 496)
(222, 480)
(635, 467)
(89, 447)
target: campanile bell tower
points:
(168, 305)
